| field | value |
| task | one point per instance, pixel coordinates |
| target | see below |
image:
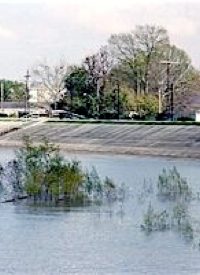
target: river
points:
(96, 240)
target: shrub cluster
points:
(172, 188)
(41, 173)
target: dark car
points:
(65, 115)
(70, 115)
(163, 117)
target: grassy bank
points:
(123, 122)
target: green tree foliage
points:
(76, 81)
(148, 40)
(146, 105)
(136, 51)
(140, 63)
(13, 90)
(136, 62)
(87, 84)
(81, 95)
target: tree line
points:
(127, 74)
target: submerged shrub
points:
(149, 219)
(44, 176)
(172, 186)
(187, 230)
(154, 221)
(109, 190)
(178, 220)
(93, 184)
(175, 189)
(181, 220)
(1, 178)
(99, 190)
(180, 213)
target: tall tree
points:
(87, 84)
(77, 90)
(50, 80)
(140, 59)
(98, 68)
(149, 39)
(134, 52)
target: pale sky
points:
(31, 31)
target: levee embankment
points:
(155, 140)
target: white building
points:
(40, 96)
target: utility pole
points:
(2, 94)
(160, 101)
(27, 77)
(98, 97)
(118, 100)
(169, 92)
(116, 93)
(138, 84)
(172, 102)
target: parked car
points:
(162, 116)
(65, 115)
(136, 115)
(23, 114)
(70, 116)
(58, 113)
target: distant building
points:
(12, 108)
(33, 96)
(187, 106)
(18, 109)
(42, 97)
(38, 102)
(195, 102)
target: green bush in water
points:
(178, 220)
(99, 190)
(172, 186)
(181, 220)
(180, 213)
(175, 189)
(46, 177)
(1, 175)
(155, 221)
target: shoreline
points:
(113, 150)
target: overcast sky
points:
(31, 31)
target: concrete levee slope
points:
(159, 140)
